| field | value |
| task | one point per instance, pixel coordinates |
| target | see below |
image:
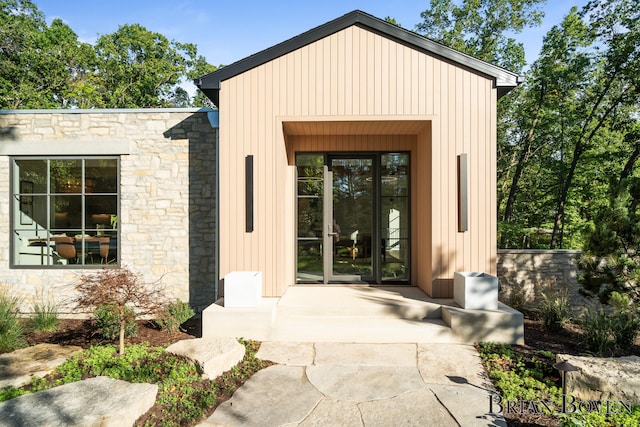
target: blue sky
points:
(226, 30)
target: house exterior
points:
(358, 152)
(147, 203)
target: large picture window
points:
(65, 211)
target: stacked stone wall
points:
(528, 273)
(167, 195)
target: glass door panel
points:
(352, 218)
(310, 194)
(394, 216)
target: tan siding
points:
(347, 77)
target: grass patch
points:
(45, 313)
(184, 398)
(11, 330)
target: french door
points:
(353, 218)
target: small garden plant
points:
(45, 313)
(173, 315)
(123, 292)
(11, 329)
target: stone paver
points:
(213, 355)
(362, 383)
(451, 364)
(17, 367)
(458, 400)
(415, 408)
(287, 353)
(98, 401)
(359, 385)
(356, 354)
(334, 413)
(273, 396)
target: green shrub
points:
(45, 313)
(174, 315)
(554, 310)
(108, 324)
(609, 332)
(596, 332)
(11, 330)
(625, 320)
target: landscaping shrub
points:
(554, 310)
(45, 313)
(606, 333)
(11, 330)
(174, 315)
(625, 320)
(123, 290)
(107, 321)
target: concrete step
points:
(502, 325)
(401, 302)
(362, 314)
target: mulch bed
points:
(83, 334)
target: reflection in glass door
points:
(350, 196)
(353, 218)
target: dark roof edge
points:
(505, 80)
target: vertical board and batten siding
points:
(355, 75)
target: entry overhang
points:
(354, 127)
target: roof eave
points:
(505, 80)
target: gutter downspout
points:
(214, 120)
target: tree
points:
(46, 66)
(480, 27)
(611, 261)
(613, 88)
(122, 289)
(141, 69)
(40, 64)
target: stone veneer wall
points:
(167, 189)
(530, 270)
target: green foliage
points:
(480, 28)
(618, 416)
(45, 313)
(184, 397)
(107, 321)
(611, 261)
(46, 66)
(517, 378)
(610, 332)
(11, 330)
(554, 309)
(174, 315)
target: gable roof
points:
(504, 80)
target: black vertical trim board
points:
(248, 163)
(463, 215)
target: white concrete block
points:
(243, 289)
(475, 291)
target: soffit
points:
(358, 127)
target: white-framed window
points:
(64, 211)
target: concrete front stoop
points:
(362, 314)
